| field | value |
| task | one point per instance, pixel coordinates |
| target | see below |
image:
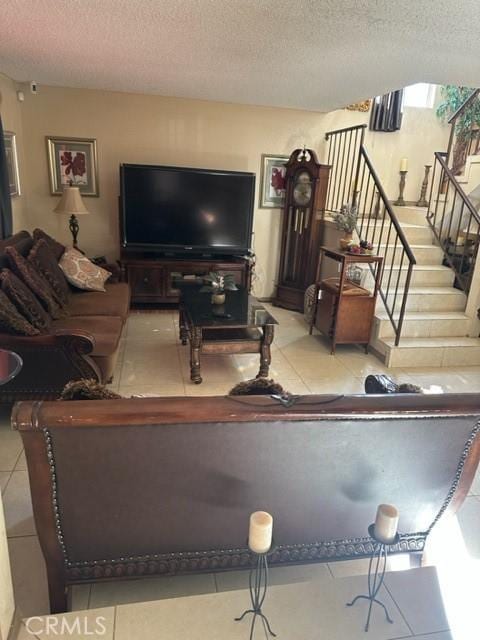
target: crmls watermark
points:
(71, 626)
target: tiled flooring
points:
(300, 609)
(152, 362)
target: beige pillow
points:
(82, 273)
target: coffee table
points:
(241, 325)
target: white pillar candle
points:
(386, 523)
(260, 532)
(404, 164)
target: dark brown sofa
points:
(142, 487)
(83, 344)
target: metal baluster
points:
(339, 205)
(398, 282)
(355, 156)
(465, 246)
(429, 215)
(452, 213)
(346, 166)
(440, 234)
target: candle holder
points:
(400, 201)
(258, 585)
(375, 580)
(422, 201)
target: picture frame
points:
(10, 142)
(272, 193)
(73, 161)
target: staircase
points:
(435, 326)
(429, 254)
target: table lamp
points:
(71, 203)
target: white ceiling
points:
(310, 54)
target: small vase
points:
(346, 240)
(218, 298)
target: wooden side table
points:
(344, 311)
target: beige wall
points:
(10, 110)
(421, 135)
(158, 130)
(153, 129)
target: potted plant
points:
(346, 221)
(218, 284)
(467, 124)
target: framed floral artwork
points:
(12, 162)
(272, 182)
(73, 161)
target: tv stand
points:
(152, 278)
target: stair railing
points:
(353, 179)
(454, 221)
(343, 155)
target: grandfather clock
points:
(305, 197)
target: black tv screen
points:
(178, 210)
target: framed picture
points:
(12, 162)
(272, 182)
(73, 161)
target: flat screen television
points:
(175, 210)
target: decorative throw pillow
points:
(81, 272)
(12, 321)
(24, 300)
(34, 281)
(43, 259)
(56, 247)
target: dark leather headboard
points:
(167, 485)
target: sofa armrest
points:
(49, 362)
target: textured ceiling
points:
(310, 54)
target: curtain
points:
(386, 113)
(5, 201)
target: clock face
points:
(302, 191)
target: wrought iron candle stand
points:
(400, 201)
(375, 580)
(258, 584)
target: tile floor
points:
(153, 362)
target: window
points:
(421, 95)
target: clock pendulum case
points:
(305, 197)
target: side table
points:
(343, 311)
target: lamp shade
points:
(71, 202)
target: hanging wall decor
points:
(9, 139)
(73, 162)
(272, 182)
(362, 106)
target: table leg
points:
(183, 328)
(195, 347)
(265, 355)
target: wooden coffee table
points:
(241, 325)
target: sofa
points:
(82, 343)
(158, 486)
